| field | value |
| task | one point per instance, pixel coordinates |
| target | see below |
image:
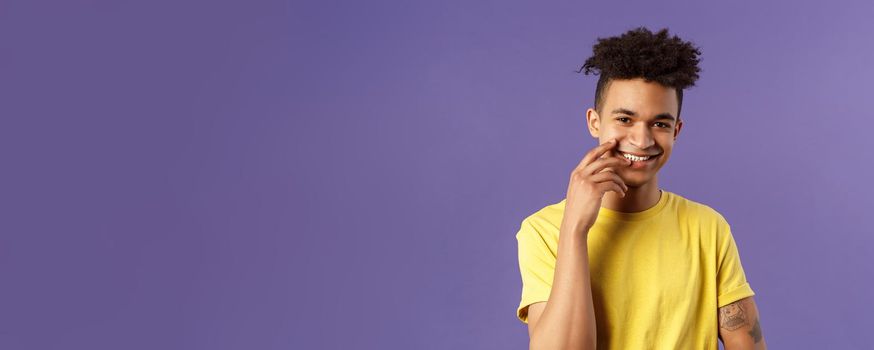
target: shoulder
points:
(545, 221)
(694, 211)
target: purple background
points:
(327, 175)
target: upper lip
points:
(640, 155)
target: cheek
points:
(610, 130)
(612, 134)
(667, 146)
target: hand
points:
(590, 180)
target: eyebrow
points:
(667, 116)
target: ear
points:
(593, 121)
(677, 128)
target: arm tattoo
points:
(732, 316)
(756, 332)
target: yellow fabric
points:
(658, 276)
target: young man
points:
(636, 266)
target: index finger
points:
(597, 152)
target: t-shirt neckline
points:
(638, 215)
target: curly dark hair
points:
(638, 53)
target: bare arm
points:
(739, 326)
(567, 320)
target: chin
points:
(635, 180)
(635, 184)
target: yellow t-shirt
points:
(658, 276)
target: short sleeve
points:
(536, 265)
(731, 281)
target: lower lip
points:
(643, 164)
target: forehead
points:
(647, 98)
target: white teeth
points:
(635, 158)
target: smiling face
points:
(641, 116)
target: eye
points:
(622, 119)
(663, 125)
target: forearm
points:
(568, 321)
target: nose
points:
(640, 137)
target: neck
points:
(636, 199)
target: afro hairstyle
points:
(640, 53)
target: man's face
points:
(641, 116)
